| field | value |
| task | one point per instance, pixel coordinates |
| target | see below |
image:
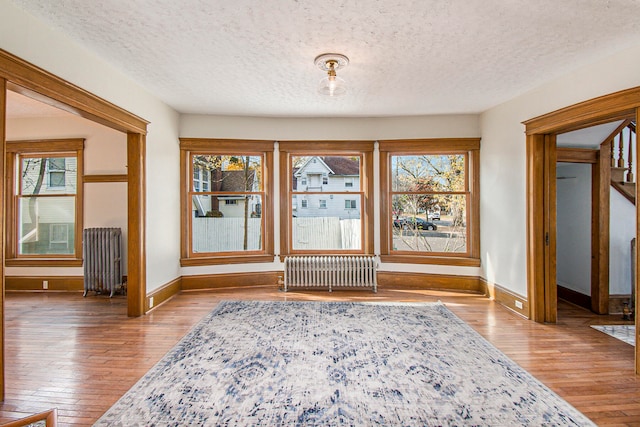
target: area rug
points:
(626, 333)
(337, 363)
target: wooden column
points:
(550, 226)
(136, 266)
(637, 260)
(600, 291)
(3, 152)
(535, 226)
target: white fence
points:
(326, 233)
(227, 234)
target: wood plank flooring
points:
(81, 354)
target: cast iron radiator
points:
(330, 272)
(102, 254)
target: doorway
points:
(541, 163)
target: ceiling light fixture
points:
(332, 85)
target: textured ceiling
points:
(408, 57)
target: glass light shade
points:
(332, 86)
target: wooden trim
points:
(617, 130)
(619, 187)
(34, 82)
(600, 290)
(471, 193)
(42, 147)
(268, 203)
(226, 145)
(185, 205)
(506, 298)
(222, 260)
(535, 227)
(231, 280)
(596, 242)
(163, 294)
(473, 229)
(368, 214)
(136, 219)
(406, 280)
(50, 418)
(435, 260)
(44, 262)
(3, 214)
(79, 226)
(550, 228)
(574, 297)
(34, 283)
(286, 213)
(604, 109)
(265, 149)
(337, 148)
(577, 155)
(105, 178)
(637, 260)
(443, 145)
(319, 147)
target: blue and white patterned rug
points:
(625, 333)
(337, 363)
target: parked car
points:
(434, 216)
(413, 224)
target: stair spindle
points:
(613, 149)
(630, 177)
(620, 151)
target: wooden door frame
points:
(600, 187)
(25, 78)
(604, 109)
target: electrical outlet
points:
(150, 302)
(519, 304)
(45, 284)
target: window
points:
(201, 178)
(421, 178)
(225, 213)
(348, 182)
(334, 220)
(44, 212)
(56, 167)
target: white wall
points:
(26, 37)
(573, 246)
(502, 179)
(622, 228)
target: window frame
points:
(437, 146)
(190, 146)
(72, 147)
(289, 149)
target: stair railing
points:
(626, 129)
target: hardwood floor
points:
(81, 354)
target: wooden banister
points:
(630, 177)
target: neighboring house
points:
(332, 177)
(47, 223)
(232, 205)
